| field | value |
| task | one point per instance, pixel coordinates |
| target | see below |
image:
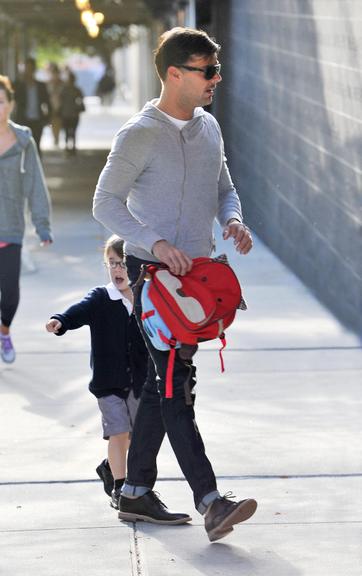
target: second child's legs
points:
(117, 454)
(118, 416)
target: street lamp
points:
(82, 4)
(90, 20)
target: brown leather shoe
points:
(223, 514)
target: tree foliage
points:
(53, 42)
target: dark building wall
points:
(290, 106)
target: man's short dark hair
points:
(178, 45)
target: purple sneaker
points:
(7, 349)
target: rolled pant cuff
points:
(134, 491)
(207, 500)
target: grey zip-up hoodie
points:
(160, 182)
(22, 179)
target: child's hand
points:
(53, 325)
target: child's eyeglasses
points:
(209, 71)
(114, 263)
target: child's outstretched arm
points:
(77, 315)
(53, 325)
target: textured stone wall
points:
(291, 111)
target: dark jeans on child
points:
(10, 260)
(157, 415)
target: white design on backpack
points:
(190, 307)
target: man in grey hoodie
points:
(165, 182)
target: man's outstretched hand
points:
(177, 261)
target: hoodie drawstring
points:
(22, 162)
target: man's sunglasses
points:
(209, 71)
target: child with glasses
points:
(118, 360)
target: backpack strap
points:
(171, 363)
(138, 285)
(147, 314)
(169, 373)
(223, 345)
(188, 397)
(170, 367)
(144, 270)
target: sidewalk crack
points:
(137, 552)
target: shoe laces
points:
(228, 495)
(156, 496)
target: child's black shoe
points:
(115, 496)
(105, 474)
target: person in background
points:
(72, 104)
(165, 182)
(21, 180)
(118, 359)
(55, 86)
(32, 101)
(106, 86)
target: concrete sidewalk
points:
(282, 424)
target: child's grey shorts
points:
(118, 415)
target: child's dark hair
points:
(5, 85)
(178, 45)
(115, 243)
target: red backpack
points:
(181, 311)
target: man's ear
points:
(173, 73)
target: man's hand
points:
(177, 261)
(243, 240)
(53, 325)
(46, 242)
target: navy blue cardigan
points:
(118, 353)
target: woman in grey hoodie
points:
(21, 180)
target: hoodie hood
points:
(151, 112)
(150, 117)
(23, 135)
(150, 109)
